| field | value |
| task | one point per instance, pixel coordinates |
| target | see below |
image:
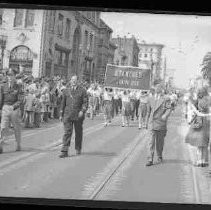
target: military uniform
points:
(10, 100)
(158, 126)
(73, 101)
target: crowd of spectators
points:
(41, 97)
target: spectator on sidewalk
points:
(29, 103)
(37, 111)
(199, 131)
(10, 99)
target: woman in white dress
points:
(126, 108)
(107, 105)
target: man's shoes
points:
(78, 152)
(63, 155)
(150, 163)
(160, 160)
(1, 149)
(204, 165)
(18, 148)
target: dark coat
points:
(156, 109)
(74, 101)
(11, 96)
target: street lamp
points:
(3, 40)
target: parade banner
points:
(127, 77)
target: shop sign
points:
(127, 77)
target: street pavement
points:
(111, 166)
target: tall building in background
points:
(127, 51)
(55, 42)
(150, 56)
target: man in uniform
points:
(73, 107)
(158, 113)
(10, 100)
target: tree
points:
(206, 67)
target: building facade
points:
(52, 42)
(23, 29)
(70, 43)
(105, 51)
(127, 51)
(150, 56)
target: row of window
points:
(61, 58)
(147, 49)
(144, 55)
(23, 17)
(60, 26)
(89, 41)
(91, 15)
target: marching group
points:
(131, 104)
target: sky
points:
(187, 38)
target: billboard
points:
(127, 77)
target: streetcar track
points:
(196, 188)
(35, 132)
(53, 146)
(92, 190)
(192, 169)
(115, 182)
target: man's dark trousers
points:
(68, 130)
(156, 141)
(136, 107)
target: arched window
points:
(21, 53)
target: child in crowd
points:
(29, 109)
(37, 111)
